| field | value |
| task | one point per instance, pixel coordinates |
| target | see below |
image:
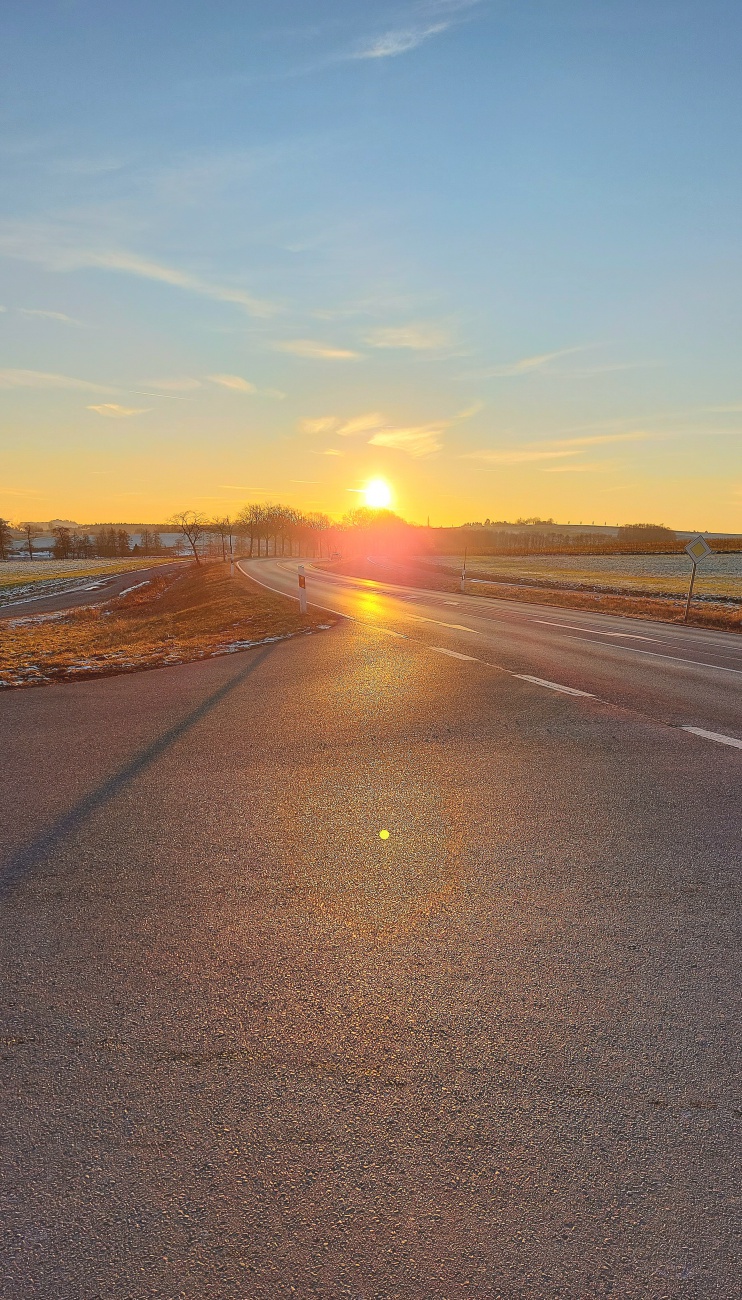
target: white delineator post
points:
(302, 590)
(463, 574)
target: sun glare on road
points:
(378, 494)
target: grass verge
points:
(724, 615)
(177, 618)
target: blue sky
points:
(487, 251)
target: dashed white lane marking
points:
(441, 650)
(387, 631)
(655, 654)
(457, 627)
(573, 627)
(452, 602)
(553, 686)
(714, 735)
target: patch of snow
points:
(36, 618)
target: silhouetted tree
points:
(192, 525)
(5, 539)
(225, 528)
(62, 543)
(32, 531)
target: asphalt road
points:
(682, 676)
(253, 1050)
(89, 591)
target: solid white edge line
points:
(441, 650)
(574, 627)
(713, 735)
(328, 608)
(553, 686)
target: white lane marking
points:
(340, 612)
(572, 627)
(441, 650)
(553, 686)
(457, 627)
(714, 735)
(655, 654)
(452, 602)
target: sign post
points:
(302, 590)
(697, 548)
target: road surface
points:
(89, 591)
(682, 676)
(251, 1049)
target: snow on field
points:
(26, 579)
(719, 575)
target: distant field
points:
(639, 575)
(17, 577)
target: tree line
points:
(77, 544)
(259, 530)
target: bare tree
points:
(225, 528)
(5, 539)
(252, 521)
(319, 524)
(32, 531)
(192, 525)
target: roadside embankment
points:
(173, 619)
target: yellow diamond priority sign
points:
(698, 548)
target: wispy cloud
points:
(468, 412)
(239, 385)
(418, 338)
(181, 384)
(516, 455)
(132, 264)
(235, 382)
(401, 41)
(117, 412)
(597, 439)
(60, 316)
(323, 424)
(527, 365)
(573, 469)
(314, 350)
(362, 424)
(418, 441)
(434, 18)
(44, 379)
(55, 248)
(553, 449)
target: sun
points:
(378, 494)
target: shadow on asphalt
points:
(32, 854)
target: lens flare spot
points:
(383, 835)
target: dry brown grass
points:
(177, 618)
(663, 609)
